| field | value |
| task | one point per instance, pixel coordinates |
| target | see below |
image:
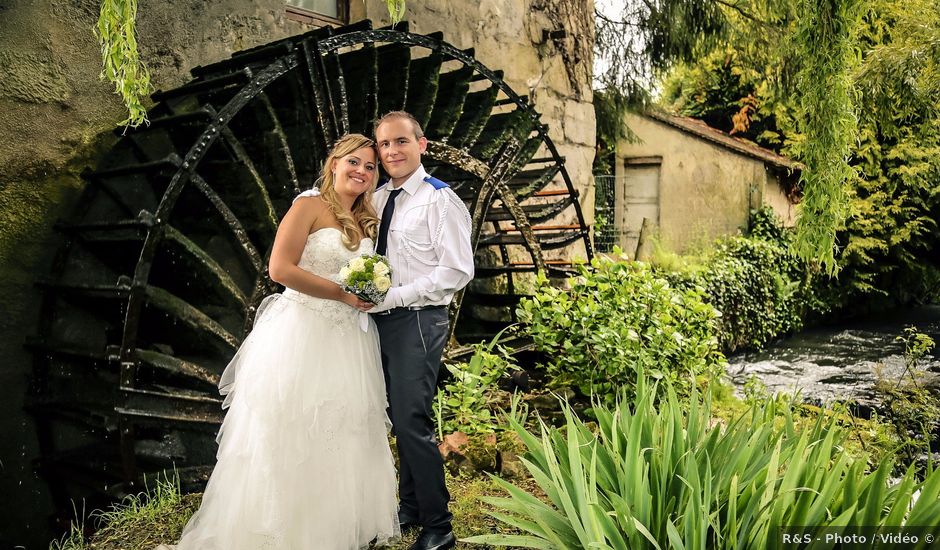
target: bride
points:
(303, 459)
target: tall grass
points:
(143, 520)
(665, 476)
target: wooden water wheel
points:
(164, 261)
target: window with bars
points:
(319, 12)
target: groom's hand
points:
(391, 301)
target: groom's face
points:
(399, 149)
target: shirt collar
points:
(412, 184)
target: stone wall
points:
(776, 197)
(57, 118)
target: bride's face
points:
(355, 173)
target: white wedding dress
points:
(303, 460)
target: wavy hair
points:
(362, 221)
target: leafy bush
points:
(757, 283)
(765, 225)
(617, 318)
(464, 403)
(910, 408)
(658, 477)
(747, 281)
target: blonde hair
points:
(362, 221)
(419, 133)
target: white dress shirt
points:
(428, 245)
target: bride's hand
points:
(354, 301)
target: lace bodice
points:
(324, 255)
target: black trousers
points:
(412, 345)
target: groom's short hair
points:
(419, 133)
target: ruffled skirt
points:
(303, 459)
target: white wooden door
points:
(638, 198)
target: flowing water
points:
(841, 363)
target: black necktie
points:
(387, 213)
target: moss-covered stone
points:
(32, 77)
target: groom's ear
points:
(422, 144)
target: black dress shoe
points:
(434, 541)
(406, 522)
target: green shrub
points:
(464, 403)
(617, 318)
(665, 476)
(747, 281)
(761, 288)
(908, 406)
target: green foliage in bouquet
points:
(663, 475)
(368, 277)
(617, 318)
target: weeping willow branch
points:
(116, 33)
(396, 10)
(828, 122)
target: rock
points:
(512, 467)
(453, 443)
(471, 454)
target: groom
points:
(425, 232)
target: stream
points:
(840, 363)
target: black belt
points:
(409, 308)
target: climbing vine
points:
(829, 125)
(121, 65)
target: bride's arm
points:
(289, 244)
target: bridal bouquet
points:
(368, 277)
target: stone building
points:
(695, 183)
(58, 116)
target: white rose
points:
(357, 264)
(344, 273)
(382, 283)
(380, 268)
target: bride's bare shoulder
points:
(305, 200)
(310, 206)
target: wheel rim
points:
(164, 261)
